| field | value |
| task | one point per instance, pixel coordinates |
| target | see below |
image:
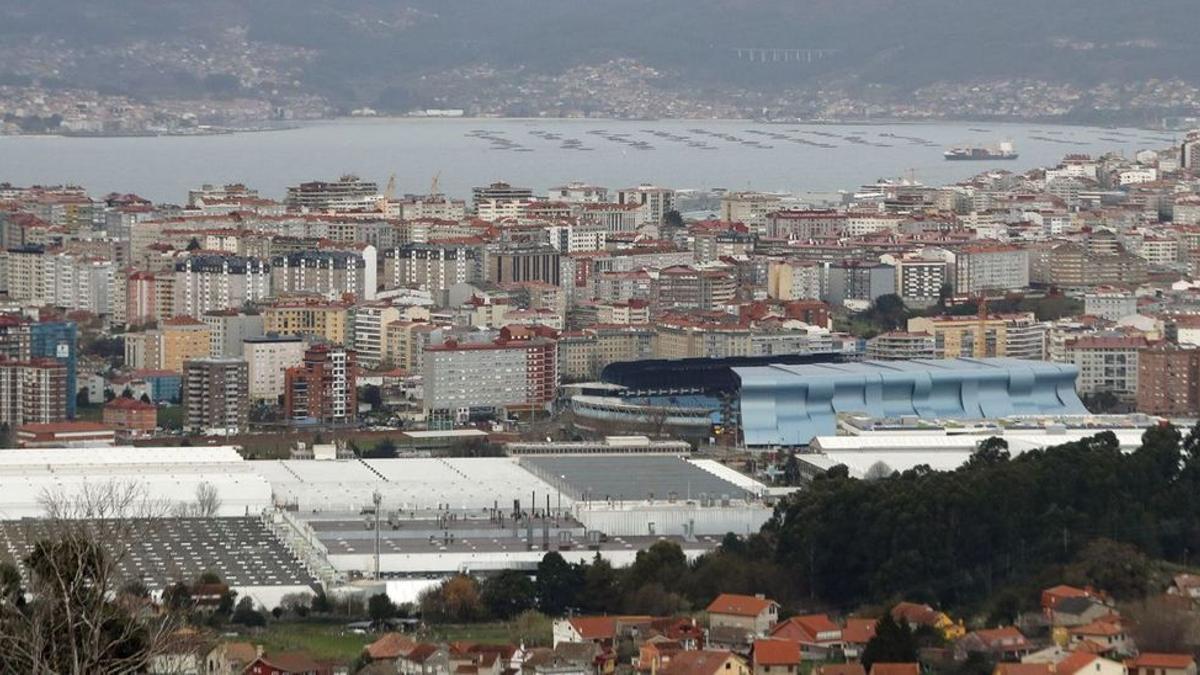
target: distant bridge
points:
(782, 55)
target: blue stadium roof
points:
(786, 405)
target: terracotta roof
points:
(806, 628)
(697, 663)
(129, 404)
(421, 653)
(290, 662)
(1074, 663)
(917, 615)
(896, 669)
(390, 646)
(64, 427)
(1024, 669)
(776, 652)
(739, 605)
(841, 669)
(1105, 628)
(595, 627)
(858, 631)
(1165, 661)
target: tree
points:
(894, 642)
(380, 608)
(507, 594)
(208, 501)
(601, 587)
(456, 599)
(193, 244)
(384, 449)
(370, 394)
(791, 470)
(673, 218)
(878, 471)
(532, 629)
(145, 398)
(321, 603)
(177, 596)
(990, 451)
(78, 621)
(247, 615)
(1162, 626)
(557, 583)
(82, 399)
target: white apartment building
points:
(990, 267)
(267, 357)
(654, 201)
(369, 322)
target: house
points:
(389, 647)
(424, 659)
(655, 653)
(1053, 595)
(1152, 663)
(286, 663)
(840, 669)
(230, 658)
(895, 669)
(855, 635)
(1077, 611)
(685, 631)
(1003, 644)
(817, 635)
(602, 630)
(753, 614)
(1109, 634)
(924, 615)
(1050, 655)
(1023, 669)
(706, 662)
(1082, 663)
(1185, 585)
(774, 655)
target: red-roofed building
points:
(754, 614)
(1109, 634)
(1154, 663)
(285, 663)
(774, 655)
(816, 634)
(1004, 644)
(855, 635)
(131, 417)
(896, 669)
(1053, 595)
(1083, 663)
(707, 663)
(77, 434)
(1024, 669)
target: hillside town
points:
(899, 429)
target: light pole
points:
(377, 499)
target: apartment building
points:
(1017, 335)
(216, 396)
(323, 388)
(517, 371)
(267, 359)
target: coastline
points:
(393, 119)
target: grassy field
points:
(493, 633)
(324, 641)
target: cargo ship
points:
(1003, 151)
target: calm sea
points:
(543, 153)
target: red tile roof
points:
(739, 605)
(1074, 663)
(1165, 661)
(896, 669)
(776, 652)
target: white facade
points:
(266, 360)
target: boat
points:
(1003, 151)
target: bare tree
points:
(1160, 625)
(208, 501)
(877, 471)
(75, 615)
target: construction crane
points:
(433, 184)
